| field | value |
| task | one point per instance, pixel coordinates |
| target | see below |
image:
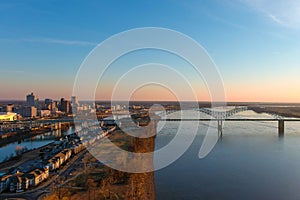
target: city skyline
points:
(255, 45)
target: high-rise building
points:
(53, 106)
(65, 106)
(48, 103)
(9, 108)
(75, 104)
(32, 100)
(28, 111)
(75, 101)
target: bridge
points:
(219, 113)
(220, 116)
(223, 114)
(280, 122)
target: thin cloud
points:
(59, 41)
(275, 19)
(282, 12)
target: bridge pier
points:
(280, 128)
(220, 128)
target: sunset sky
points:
(254, 43)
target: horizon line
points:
(171, 101)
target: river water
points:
(249, 162)
(33, 142)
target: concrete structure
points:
(280, 127)
(8, 116)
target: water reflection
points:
(32, 143)
(249, 162)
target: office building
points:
(65, 106)
(32, 100)
(28, 111)
(75, 101)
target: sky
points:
(255, 45)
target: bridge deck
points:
(245, 119)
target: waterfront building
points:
(77, 148)
(4, 182)
(53, 163)
(19, 182)
(37, 176)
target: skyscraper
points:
(75, 101)
(32, 100)
(65, 106)
(75, 104)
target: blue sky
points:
(255, 44)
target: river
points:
(33, 142)
(249, 162)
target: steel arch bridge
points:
(217, 114)
(223, 114)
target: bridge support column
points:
(220, 128)
(155, 125)
(280, 128)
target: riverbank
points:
(23, 158)
(11, 137)
(286, 111)
(94, 180)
